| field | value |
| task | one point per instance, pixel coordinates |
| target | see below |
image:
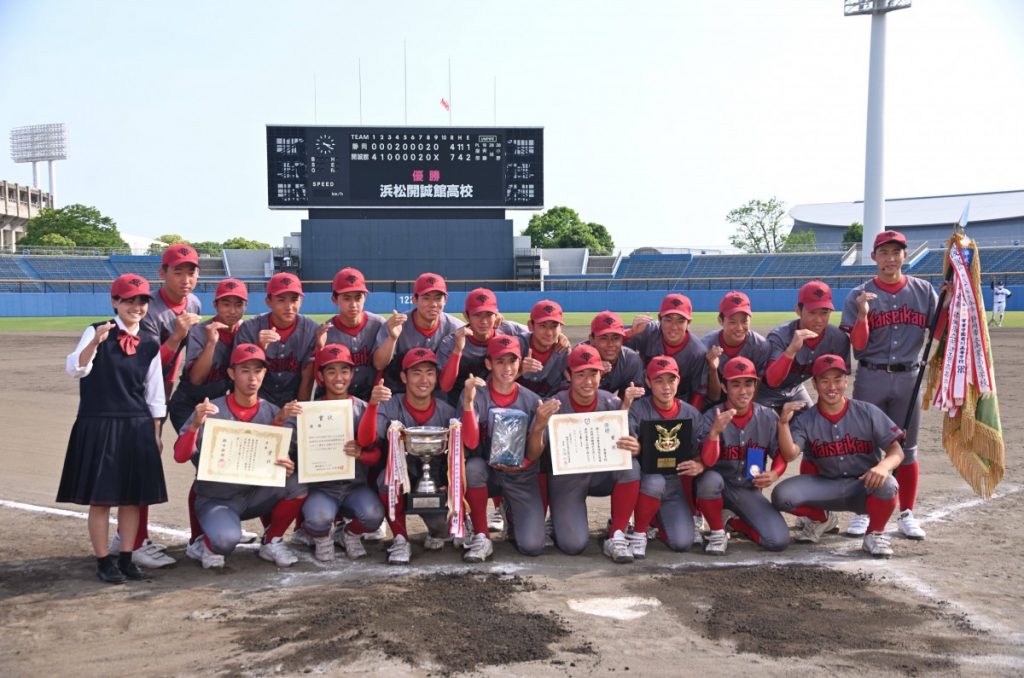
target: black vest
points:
(116, 386)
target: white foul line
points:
(941, 513)
(169, 531)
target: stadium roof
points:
(938, 209)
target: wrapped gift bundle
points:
(508, 436)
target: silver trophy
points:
(425, 442)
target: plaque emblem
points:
(668, 438)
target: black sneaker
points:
(107, 571)
(132, 571)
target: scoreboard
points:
(394, 167)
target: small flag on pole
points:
(444, 102)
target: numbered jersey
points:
(691, 358)
(551, 379)
(362, 342)
(759, 428)
(410, 338)
(897, 319)
(525, 401)
(834, 341)
(285, 360)
(845, 445)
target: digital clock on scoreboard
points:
(381, 167)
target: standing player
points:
(842, 438)
(288, 338)
(221, 507)
(353, 499)
(661, 496)
(734, 339)
(796, 344)
(999, 296)
(544, 350)
(355, 328)
(568, 493)
(416, 407)
(623, 366)
(518, 485)
(888, 319)
(430, 324)
(670, 335)
(731, 433)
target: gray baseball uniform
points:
(756, 349)
(473, 354)
(842, 448)
(362, 341)
(691, 358)
(410, 338)
(159, 322)
(520, 489)
(834, 341)
(887, 367)
(285, 360)
(551, 379)
(728, 479)
(568, 494)
(188, 395)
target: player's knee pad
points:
(652, 484)
(476, 472)
(709, 485)
(889, 489)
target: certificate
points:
(323, 429)
(584, 442)
(242, 453)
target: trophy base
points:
(426, 503)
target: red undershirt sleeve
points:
(777, 370)
(450, 372)
(166, 355)
(779, 465)
(697, 400)
(185, 445)
(859, 334)
(709, 452)
(470, 430)
(367, 434)
(370, 457)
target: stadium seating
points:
(72, 268)
(10, 270)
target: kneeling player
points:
(842, 439)
(351, 499)
(221, 507)
(732, 433)
(568, 493)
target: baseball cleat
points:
(277, 552)
(152, 556)
(878, 544)
(399, 552)
(617, 548)
(478, 549)
(323, 548)
(813, 530)
(496, 519)
(718, 541)
(115, 544)
(549, 532)
(302, 538)
(198, 550)
(909, 526)
(637, 544)
(698, 528)
(380, 534)
(858, 526)
(248, 537)
(352, 544)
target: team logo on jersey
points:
(135, 282)
(904, 315)
(842, 447)
(668, 439)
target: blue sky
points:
(659, 117)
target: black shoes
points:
(132, 571)
(108, 571)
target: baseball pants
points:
(891, 391)
(221, 518)
(522, 497)
(352, 499)
(568, 497)
(829, 494)
(750, 504)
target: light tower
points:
(35, 143)
(874, 156)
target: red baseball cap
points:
(417, 356)
(333, 353)
(676, 303)
(244, 352)
(231, 287)
(503, 344)
(734, 302)
(545, 310)
(349, 280)
(585, 357)
(890, 236)
(815, 295)
(282, 283)
(824, 363)
(607, 322)
(130, 285)
(739, 368)
(660, 365)
(481, 299)
(429, 282)
(178, 254)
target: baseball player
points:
(568, 493)
(462, 352)
(888, 319)
(734, 339)
(355, 328)
(842, 438)
(671, 335)
(353, 499)
(430, 324)
(172, 313)
(544, 351)
(796, 344)
(623, 367)
(731, 433)
(516, 484)
(999, 296)
(288, 338)
(416, 407)
(662, 497)
(221, 507)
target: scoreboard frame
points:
(339, 167)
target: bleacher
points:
(810, 265)
(71, 268)
(12, 270)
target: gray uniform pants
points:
(674, 515)
(830, 494)
(353, 499)
(568, 497)
(750, 505)
(522, 496)
(437, 523)
(890, 391)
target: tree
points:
(170, 238)
(854, 234)
(208, 247)
(562, 227)
(243, 244)
(84, 226)
(56, 240)
(759, 226)
(801, 241)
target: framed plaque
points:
(585, 442)
(664, 444)
(242, 453)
